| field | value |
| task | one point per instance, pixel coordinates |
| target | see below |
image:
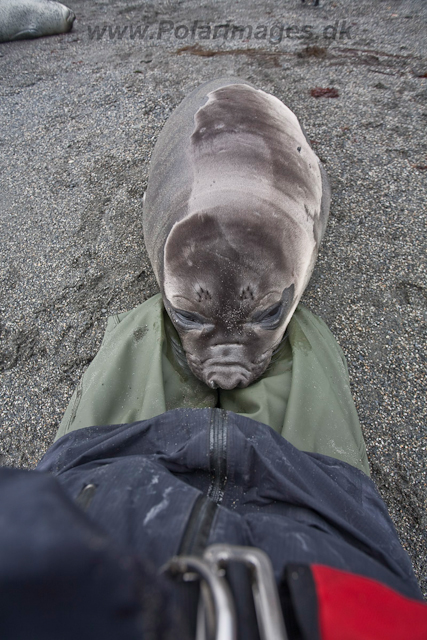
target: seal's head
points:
(236, 207)
(49, 18)
(230, 290)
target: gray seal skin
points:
(235, 209)
(21, 19)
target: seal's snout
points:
(228, 365)
(227, 379)
(69, 18)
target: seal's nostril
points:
(227, 382)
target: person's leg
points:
(138, 373)
(134, 376)
(305, 394)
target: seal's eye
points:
(185, 316)
(187, 320)
(270, 318)
(272, 313)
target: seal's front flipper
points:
(27, 34)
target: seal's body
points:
(236, 207)
(20, 19)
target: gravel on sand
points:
(79, 116)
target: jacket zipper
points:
(218, 455)
(199, 524)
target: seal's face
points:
(230, 290)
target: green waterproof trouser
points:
(304, 395)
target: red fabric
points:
(351, 607)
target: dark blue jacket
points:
(127, 498)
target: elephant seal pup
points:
(236, 207)
(20, 19)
